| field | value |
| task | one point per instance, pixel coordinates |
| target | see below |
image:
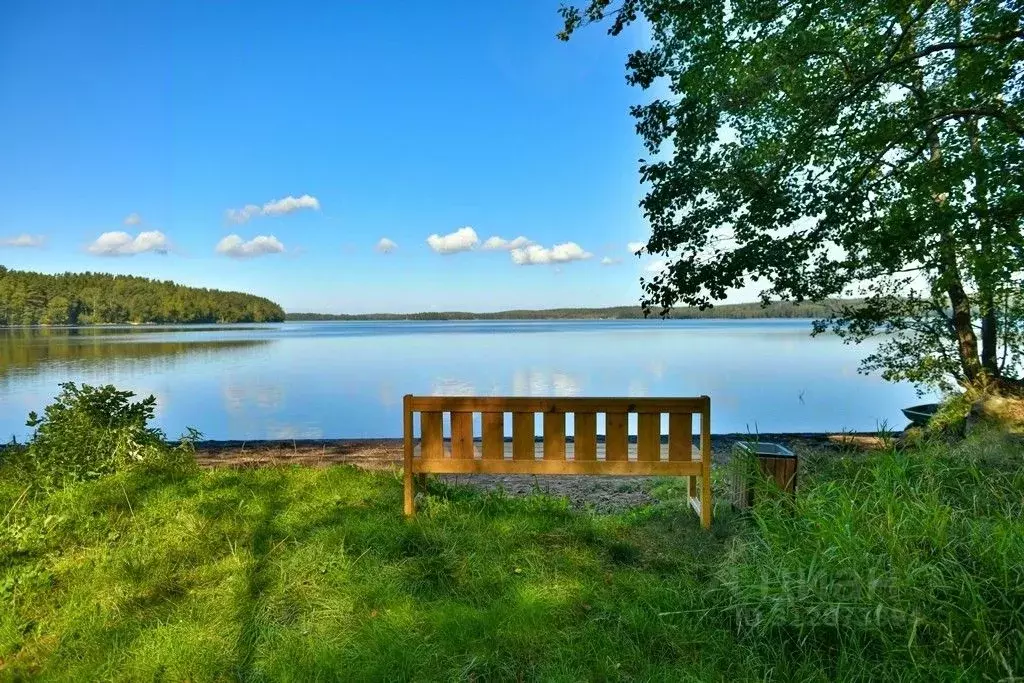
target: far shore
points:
(653, 319)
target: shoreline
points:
(605, 493)
(409, 320)
(387, 452)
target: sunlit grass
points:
(896, 565)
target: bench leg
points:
(705, 500)
(410, 493)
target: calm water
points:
(342, 379)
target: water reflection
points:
(36, 350)
(452, 387)
(545, 383)
(347, 379)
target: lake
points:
(346, 379)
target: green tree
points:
(92, 298)
(840, 148)
(57, 311)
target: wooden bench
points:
(463, 453)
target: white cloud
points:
(235, 247)
(635, 246)
(275, 207)
(386, 246)
(560, 253)
(500, 243)
(23, 240)
(120, 243)
(462, 239)
(244, 214)
(132, 219)
(609, 261)
(656, 267)
(290, 204)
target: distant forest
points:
(778, 309)
(98, 298)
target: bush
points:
(91, 431)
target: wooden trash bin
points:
(776, 462)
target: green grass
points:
(895, 566)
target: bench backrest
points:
(585, 454)
(462, 446)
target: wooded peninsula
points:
(28, 298)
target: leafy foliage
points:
(842, 148)
(97, 298)
(88, 432)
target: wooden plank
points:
(648, 437)
(705, 463)
(493, 435)
(597, 467)
(616, 438)
(407, 447)
(522, 436)
(462, 435)
(554, 436)
(526, 404)
(584, 437)
(680, 436)
(431, 437)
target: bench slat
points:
(523, 436)
(616, 436)
(462, 435)
(648, 437)
(493, 435)
(663, 468)
(584, 431)
(680, 436)
(431, 437)
(529, 404)
(554, 436)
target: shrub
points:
(91, 431)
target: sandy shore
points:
(387, 453)
(604, 493)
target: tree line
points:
(28, 298)
(776, 309)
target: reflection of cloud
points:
(636, 388)
(565, 385)
(237, 398)
(538, 383)
(452, 387)
(387, 395)
(658, 369)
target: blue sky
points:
(270, 147)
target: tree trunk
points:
(984, 274)
(967, 341)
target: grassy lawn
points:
(892, 566)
